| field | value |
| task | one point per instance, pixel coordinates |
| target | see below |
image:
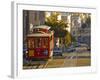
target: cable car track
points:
(66, 61)
(37, 64)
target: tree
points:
(56, 25)
(59, 28)
(54, 22)
(68, 39)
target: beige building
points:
(36, 17)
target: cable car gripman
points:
(40, 42)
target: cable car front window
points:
(41, 42)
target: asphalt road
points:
(67, 60)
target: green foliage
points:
(59, 32)
(54, 22)
(73, 39)
(68, 39)
(59, 28)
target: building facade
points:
(81, 28)
(31, 19)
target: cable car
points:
(40, 43)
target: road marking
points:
(70, 61)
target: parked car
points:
(70, 49)
(57, 51)
(81, 48)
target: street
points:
(67, 60)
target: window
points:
(30, 43)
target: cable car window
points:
(39, 42)
(31, 43)
(46, 42)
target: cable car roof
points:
(42, 26)
(38, 35)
